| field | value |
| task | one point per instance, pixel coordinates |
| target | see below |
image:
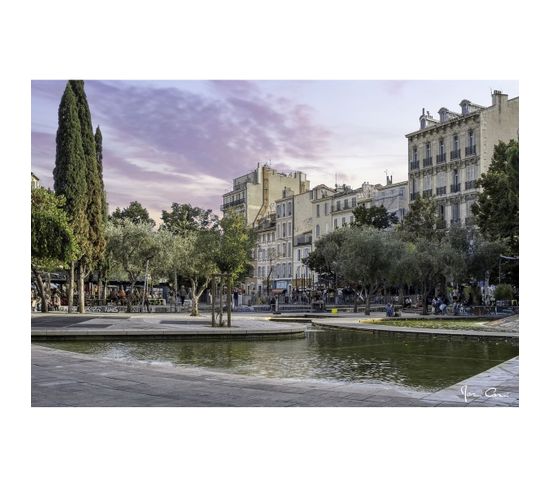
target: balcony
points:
(414, 165)
(455, 188)
(302, 240)
(426, 193)
(470, 151)
(441, 158)
(414, 196)
(234, 203)
(427, 162)
(470, 185)
(442, 190)
(455, 222)
(455, 154)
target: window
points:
(471, 139)
(317, 230)
(326, 208)
(455, 211)
(351, 219)
(338, 205)
(284, 230)
(353, 202)
(456, 142)
(441, 147)
(278, 210)
(343, 221)
(318, 210)
(289, 268)
(283, 207)
(441, 211)
(441, 179)
(428, 150)
(415, 154)
(299, 254)
(346, 203)
(288, 250)
(455, 177)
(289, 208)
(336, 223)
(289, 229)
(428, 182)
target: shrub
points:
(504, 292)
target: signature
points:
(486, 393)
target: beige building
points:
(254, 194)
(35, 181)
(447, 156)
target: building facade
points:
(447, 156)
(254, 194)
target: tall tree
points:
(182, 217)
(377, 217)
(52, 241)
(99, 154)
(422, 221)
(70, 174)
(94, 206)
(135, 212)
(497, 209)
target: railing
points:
(442, 190)
(427, 161)
(301, 240)
(455, 154)
(470, 185)
(470, 150)
(427, 193)
(441, 158)
(232, 204)
(455, 188)
(415, 165)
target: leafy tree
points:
(70, 175)
(131, 246)
(52, 241)
(497, 209)
(324, 259)
(183, 217)
(422, 221)
(135, 213)
(99, 154)
(95, 192)
(366, 257)
(377, 217)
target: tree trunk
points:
(194, 299)
(39, 282)
(70, 289)
(424, 299)
(229, 300)
(81, 300)
(367, 302)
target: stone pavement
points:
(61, 378)
(98, 326)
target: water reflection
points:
(419, 362)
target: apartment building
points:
(448, 155)
(254, 194)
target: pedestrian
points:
(56, 301)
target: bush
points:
(504, 292)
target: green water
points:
(428, 363)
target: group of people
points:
(53, 299)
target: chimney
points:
(499, 98)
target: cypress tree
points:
(95, 210)
(96, 228)
(99, 154)
(70, 172)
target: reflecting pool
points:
(420, 362)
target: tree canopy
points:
(135, 212)
(376, 216)
(183, 217)
(497, 208)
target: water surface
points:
(424, 362)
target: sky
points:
(185, 141)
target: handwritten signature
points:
(487, 393)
